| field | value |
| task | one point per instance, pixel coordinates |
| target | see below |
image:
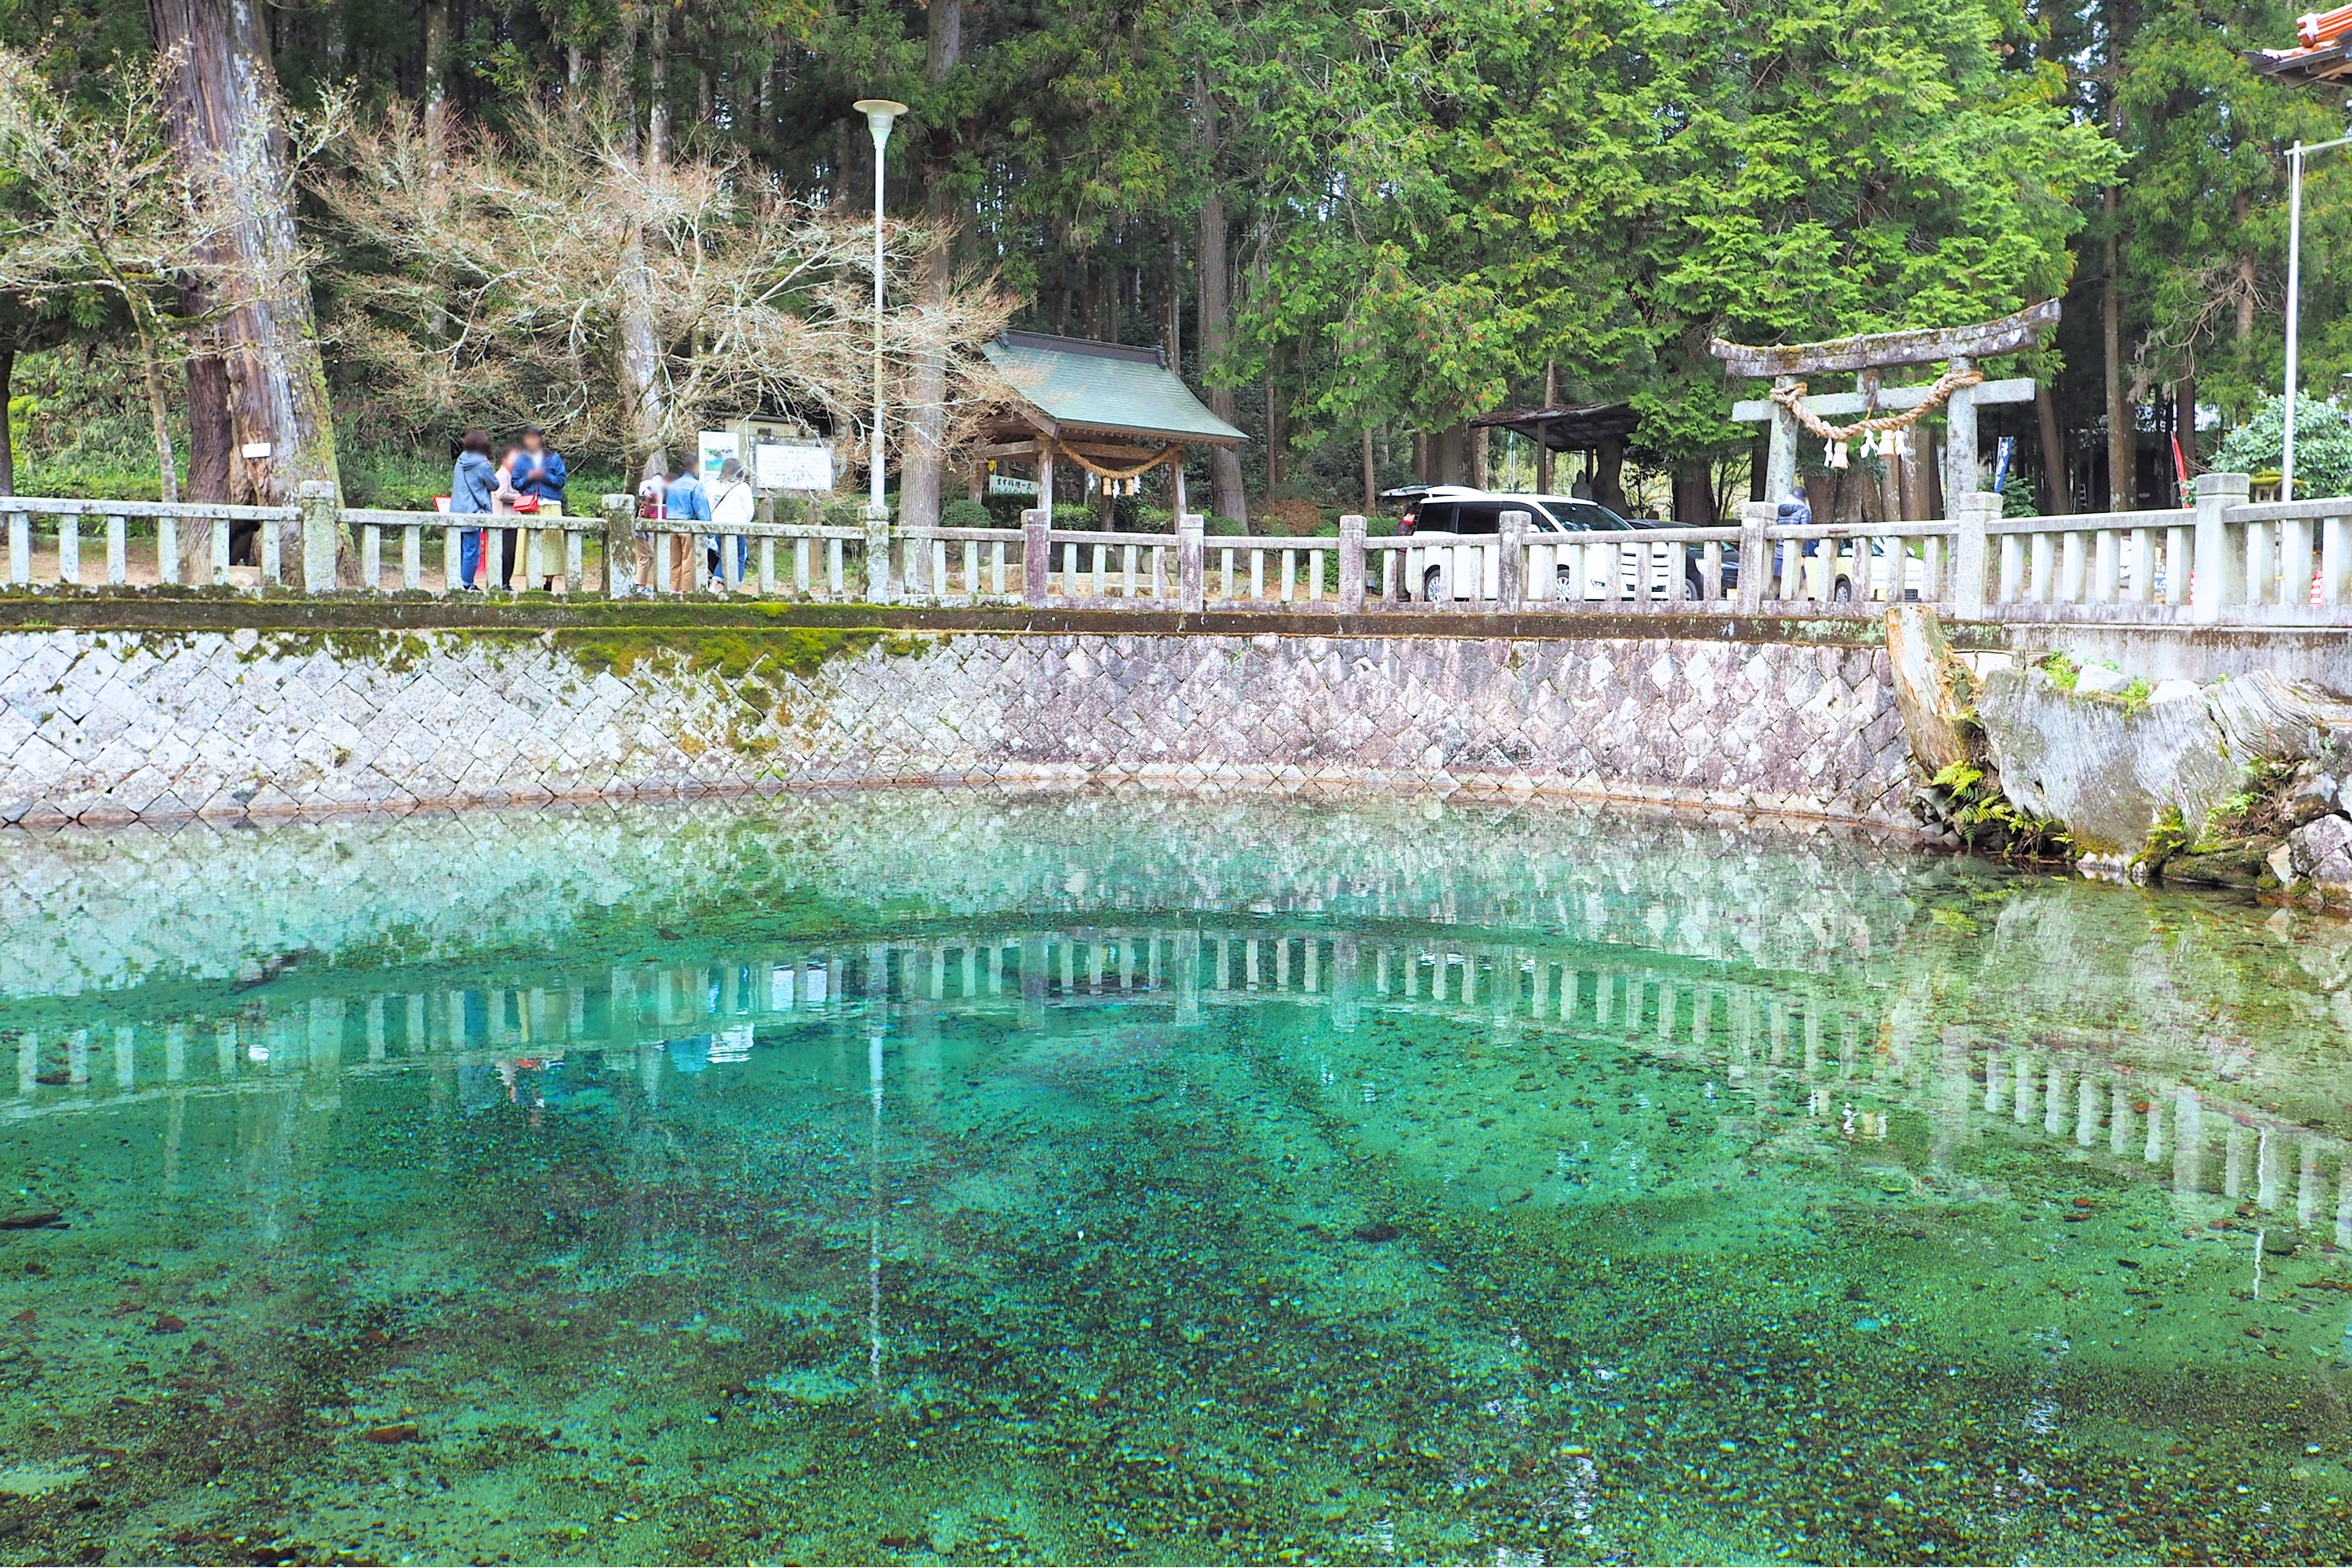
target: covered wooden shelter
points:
(1597, 430)
(1107, 410)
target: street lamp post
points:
(879, 113)
(2294, 160)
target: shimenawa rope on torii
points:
(1871, 426)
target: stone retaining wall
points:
(122, 725)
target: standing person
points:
(540, 474)
(473, 485)
(731, 510)
(505, 501)
(653, 507)
(685, 502)
(1794, 511)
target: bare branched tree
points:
(557, 276)
(104, 208)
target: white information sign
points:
(791, 465)
(1005, 484)
(717, 446)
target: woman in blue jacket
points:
(473, 487)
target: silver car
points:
(1473, 516)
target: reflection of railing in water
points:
(1770, 1034)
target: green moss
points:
(2062, 671)
(2167, 839)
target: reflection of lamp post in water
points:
(874, 1208)
(877, 1005)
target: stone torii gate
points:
(1868, 355)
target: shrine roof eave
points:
(1072, 384)
(2329, 62)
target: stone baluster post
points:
(1036, 561)
(1511, 578)
(1974, 512)
(917, 580)
(1351, 564)
(877, 555)
(316, 498)
(620, 545)
(1755, 552)
(2221, 558)
(1192, 566)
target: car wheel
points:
(1844, 592)
(1693, 590)
(1432, 583)
(1564, 590)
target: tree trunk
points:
(2059, 498)
(224, 118)
(2184, 429)
(640, 363)
(434, 77)
(645, 409)
(1693, 495)
(1225, 495)
(2122, 488)
(1482, 470)
(212, 439)
(1449, 455)
(1176, 304)
(925, 458)
(1910, 484)
(167, 465)
(7, 437)
(658, 90)
(1371, 484)
(1608, 476)
(1543, 431)
(2240, 206)
(1277, 456)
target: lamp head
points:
(879, 112)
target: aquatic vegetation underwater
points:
(1071, 1178)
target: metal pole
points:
(2293, 311)
(880, 114)
(874, 496)
(2295, 157)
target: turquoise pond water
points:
(914, 1176)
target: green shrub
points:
(1224, 526)
(967, 514)
(2323, 445)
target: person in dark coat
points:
(473, 487)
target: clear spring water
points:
(893, 1178)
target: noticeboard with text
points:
(791, 465)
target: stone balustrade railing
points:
(2222, 561)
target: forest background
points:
(1354, 226)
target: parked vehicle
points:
(1851, 580)
(1460, 512)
